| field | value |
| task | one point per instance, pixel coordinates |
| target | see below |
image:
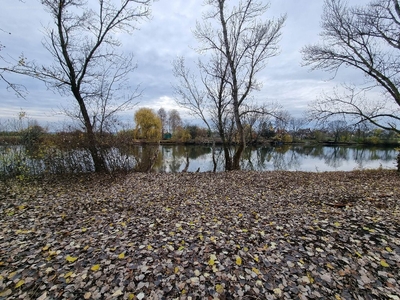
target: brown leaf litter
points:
(244, 235)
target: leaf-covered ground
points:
(250, 235)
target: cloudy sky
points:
(158, 42)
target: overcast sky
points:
(158, 42)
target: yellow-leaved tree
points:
(148, 125)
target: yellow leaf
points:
(149, 247)
(256, 258)
(388, 249)
(11, 275)
(19, 283)
(45, 248)
(240, 215)
(181, 248)
(86, 247)
(131, 296)
(6, 293)
(337, 224)
(219, 288)
(310, 277)
(70, 258)
(21, 207)
(68, 274)
(245, 249)
(95, 268)
(255, 270)
(358, 254)
(337, 297)
(84, 229)
(176, 270)
(238, 260)
(329, 266)
(121, 256)
(384, 263)
(212, 260)
(201, 237)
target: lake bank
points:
(220, 235)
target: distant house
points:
(167, 136)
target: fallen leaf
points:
(329, 266)
(6, 293)
(219, 288)
(121, 255)
(384, 263)
(238, 260)
(70, 258)
(117, 293)
(140, 296)
(212, 260)
(19, 283)
(95, 268)
(43, 296)
(255, 270)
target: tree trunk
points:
(213, 156)
(97, 157)
(237, 156)
(93, 145)
(228, 160)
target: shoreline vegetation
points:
(227, 235)
(6, 140)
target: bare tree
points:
(86, 64)
(338, 128)
(174, 120)
(162, 114)
(365, 39)
(203, 100)
(239, 44)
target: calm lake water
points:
(287, 157)
(173, 158)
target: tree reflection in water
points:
(285, 157)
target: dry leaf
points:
(95, 268)
(70, 258)
(19, 283)
(219, 288)
(384, 263)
